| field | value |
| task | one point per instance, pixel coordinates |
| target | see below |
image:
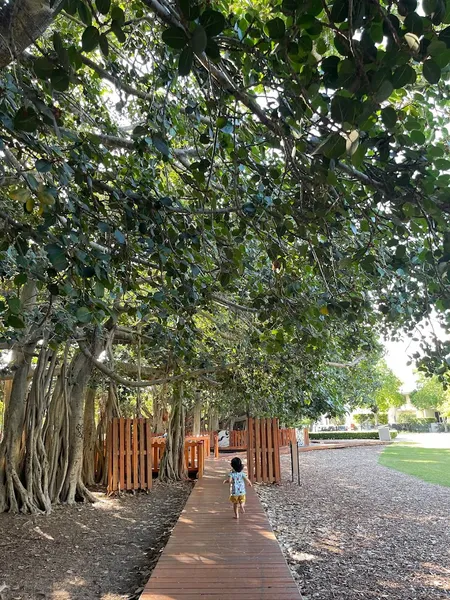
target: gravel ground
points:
(356, 530)
(105, 550)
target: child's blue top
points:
(237, 487)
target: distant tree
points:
(430, 394)
(388, 394)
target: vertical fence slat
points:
(121, 454)
(115, 436)
(128, 453)
(264, 453)
(270, 451)
(148, 456)
(250, 461)
(135, 455)
(258, 449)
(109, 452)
(276, 453)
(141, 455)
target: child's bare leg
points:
(236, 510)
(242, 505)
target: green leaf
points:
(213, 22)
(57, 257)
(15, 322)
(417, 137)
(118, 15)
(14, 305)
(103, 6)
(414, 23)
(43, 68)
(26, 119)
(431, 71)
(104, 44)
(83, 314)
(384, 91)
(118, 32)
(190, 9)
(174, 37)
(343, 109)
(90, 38)
(334, 147)
(60, 80)
(389, 117)
(185, 62)
(199, 40)
(402, 76)
(275, 28)
(84, 13)
(161, 145)
(212, 50)
(119, 236)
(43, 166)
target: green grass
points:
(428, 464)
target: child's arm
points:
(248, 480)
(227, 480)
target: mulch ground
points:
(106, 550)
(355, 530)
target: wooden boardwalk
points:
(212, 556)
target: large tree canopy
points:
(239, 194)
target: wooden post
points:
(306, 437)
(216, 445)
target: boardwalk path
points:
(212, 556)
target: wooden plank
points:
(121, 454)
(135, 456)
(129, 477)
(264, 453)
(276, 452)
(148, 453)
(109, 452)
(270, 473)
(201, 559)
(115, 450)
(250, 460)
(258, 476)
(142, 482)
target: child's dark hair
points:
(236, 464)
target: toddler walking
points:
(237, 478)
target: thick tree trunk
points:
(79, 374)
(13, 495)
(196, 429)
(22, 22)
(172, 467)
(90, 436)
(213, 419)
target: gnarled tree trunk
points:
(172, 467)
(196, 429)
(90, 435)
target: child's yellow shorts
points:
(238, 499)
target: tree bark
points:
(172, 466)
(79, 373)
(22, 22)
(90, 436)
(196, 429)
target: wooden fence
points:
(238, 439)
(196, 448)
(263, 452)
(287, 436)
(129, 454)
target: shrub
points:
(348, 435)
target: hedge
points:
(348, 435)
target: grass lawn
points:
(428, 464)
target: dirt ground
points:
(355, 530)
(104, 551)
